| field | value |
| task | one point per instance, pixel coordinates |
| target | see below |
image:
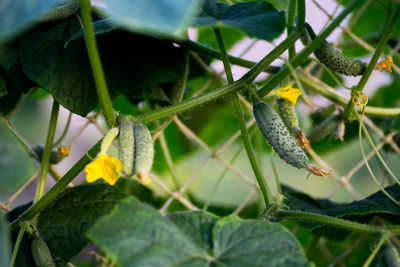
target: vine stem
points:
(335, 222)
(17, 244)
(41, 186)
(384, 238)
(375, 57)
(95, 63)
(300, 57)
(290, 27)
(57, 188)
(266, 192)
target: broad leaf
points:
(64, 223)
(192, 239)
(16, 164)
(131, 62)
(3, 89)
(15, 16)
(5, 248)
(166, 16)
(197, 225)
(260, 20)
(375, 204)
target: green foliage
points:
(5, 248)
(64, 223)
(155, 240)
(16, 16)
(260, 20)
(166, 16)
(16, 164)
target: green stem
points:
(95, 62)
(64, 133)
(242, 125)
(384, 238)
(334, 97)
(41, 185)
(300, 57)
(278, 183)
(168, 159)
(17, 244)
(57, 188)
(335, 222)
(290, 27)
(375, 57)
(301, 14)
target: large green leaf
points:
(5, 248)
(375, 204)
(18, 15)
(16, 164)
(135, 234)
(131, 62)
(64, 223)
(3, 89)
(260, 20)
(152, 16)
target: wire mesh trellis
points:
(343, 180)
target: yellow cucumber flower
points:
(63, 151)
(104, 167)
(289, 93)
(385, 64)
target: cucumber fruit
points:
(41, 253)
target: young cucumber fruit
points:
(41, 253)
(335, 60)
(136, 149)
(278, 135)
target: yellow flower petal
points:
(289, 93)
(104, 167)
(63, 151)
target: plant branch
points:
(95, 63)
(57, 188)
(41, 185)
(266, 192)
(335, 222)
(300, 57)
(290, 27)
(375, 57)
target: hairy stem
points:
(266, 192)
(300, 57)
(41, 185)
(95, 62)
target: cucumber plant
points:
(181, 121)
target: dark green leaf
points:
(131, 62)
(16, 164)
(155, 241)
(152, 239)
(8, 55)
(64, 223)
(5, 248)
(239, 242)
(152, 16)
(3, 89)
(230, 36)
(18, 15)
(197, 225)
(260, 20)
(387, 96)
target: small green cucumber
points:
(287, 113)
(54, 156)
(143, 149)
(335, 60)
(391, 255)
(41, 253)
(278, 135)
(126, 146)
(61, 11)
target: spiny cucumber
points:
(287, 113)
(125, 146)
(108, 139)
(41, 253)
(278, 136)
(136, 149)
(335, 60)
